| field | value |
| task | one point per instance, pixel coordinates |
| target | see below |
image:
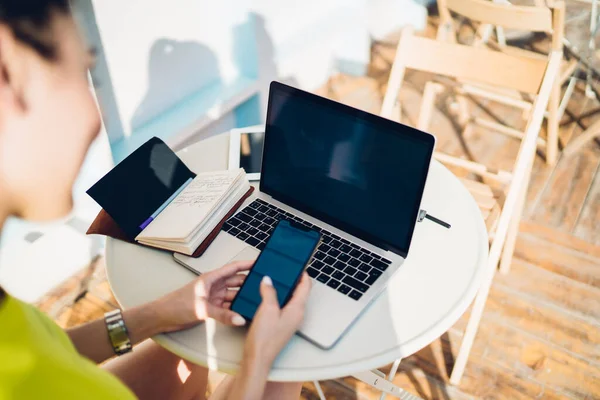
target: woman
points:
(47, 121)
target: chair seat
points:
(488, 201)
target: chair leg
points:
(482, 295)
(472, 326)
(553, 124)
(391, 375)
(397, 112)
(513, 230)
(511, 237)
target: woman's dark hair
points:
(31, 20)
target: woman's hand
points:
(209, 296)
(273, 327)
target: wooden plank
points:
(566, 261)
(483, 378)
(550, 325)
(560, 238)
(87, 309)
(537, 360)
(551, 289)
(562, 200)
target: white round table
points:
(428, 294)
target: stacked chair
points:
(485, 16)
(499, 194)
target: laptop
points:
(353, 176)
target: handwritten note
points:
(204, 190)
(192, 206)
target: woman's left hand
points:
(209, 296)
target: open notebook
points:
(152, 198)
(192, 215)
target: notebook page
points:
(192, 206)
(209, 224)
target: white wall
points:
(154, 53)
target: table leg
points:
(319, 390)
(377, 379)
(391, 375)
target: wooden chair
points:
(487, 14)
(502, 208)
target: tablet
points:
(245, 150)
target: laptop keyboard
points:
(337, 263)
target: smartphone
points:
(284, 258)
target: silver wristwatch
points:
(117, 332)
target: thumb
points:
(267, 291)
(225, 316)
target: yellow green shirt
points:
(38, 360)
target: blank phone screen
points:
(283, 259)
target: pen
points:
(423, 214)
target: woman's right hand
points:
(273, 327)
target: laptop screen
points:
(356, 171)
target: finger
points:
(238, 266)
(228, 270)
(267, 292)
(235, 281)
(302, 291)
(230, 295)
(226, 305)
(225, 315)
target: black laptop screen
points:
(354, 170)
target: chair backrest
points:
(481, 65)
(549, 19)
(475, 64)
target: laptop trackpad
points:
(249, 253)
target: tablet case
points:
(106, 226)
(140, 185)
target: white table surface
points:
(424, 299)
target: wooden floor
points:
(540, 334)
